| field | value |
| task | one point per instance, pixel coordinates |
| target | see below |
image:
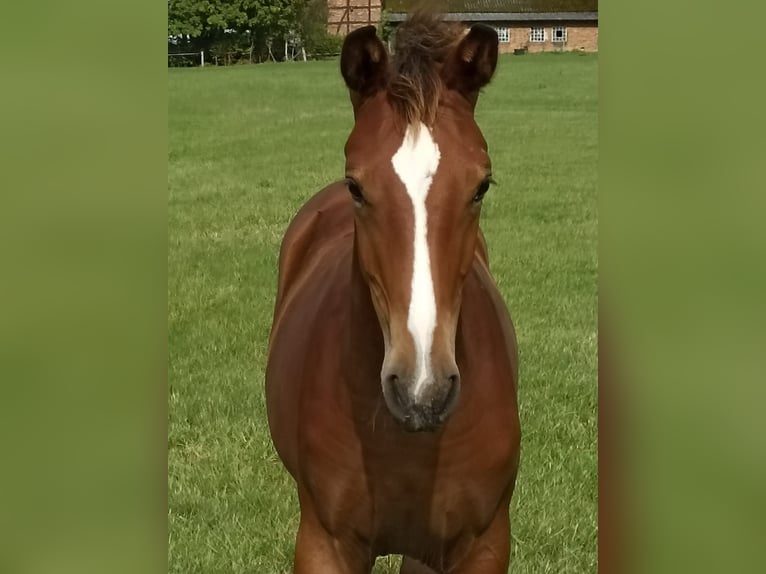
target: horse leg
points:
(490, 553)
(318, 552)
(412, 566)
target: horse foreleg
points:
(412, 566)
(318, 552)
(490, 553)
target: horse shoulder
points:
(487, 355)
(321, 218)
(483, 276)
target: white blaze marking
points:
(415, 163)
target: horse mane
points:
(421, 47)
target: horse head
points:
(417, 169)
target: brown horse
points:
(392, 373)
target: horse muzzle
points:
(423, 407)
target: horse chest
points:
(404, 491)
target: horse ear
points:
(364, 63)
(473, 62)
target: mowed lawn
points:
(249, 144)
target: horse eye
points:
(355, 190)
(482, 190)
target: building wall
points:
(584, 38)
(581, 36)
(344, 16)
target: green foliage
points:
(313, 25)
(186, 17)
(245, 28)
(385, 28)
(326, 45)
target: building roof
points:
(509, 16)
(516, 7)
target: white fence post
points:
(202, 56)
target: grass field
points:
(247, 145)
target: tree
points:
(250, 25)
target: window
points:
(560, 34)
(537, 34)
(503, 35)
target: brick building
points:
(522, 25)
(344, 16)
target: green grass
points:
(247, 145)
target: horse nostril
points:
(450, 396)
(397, 390)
